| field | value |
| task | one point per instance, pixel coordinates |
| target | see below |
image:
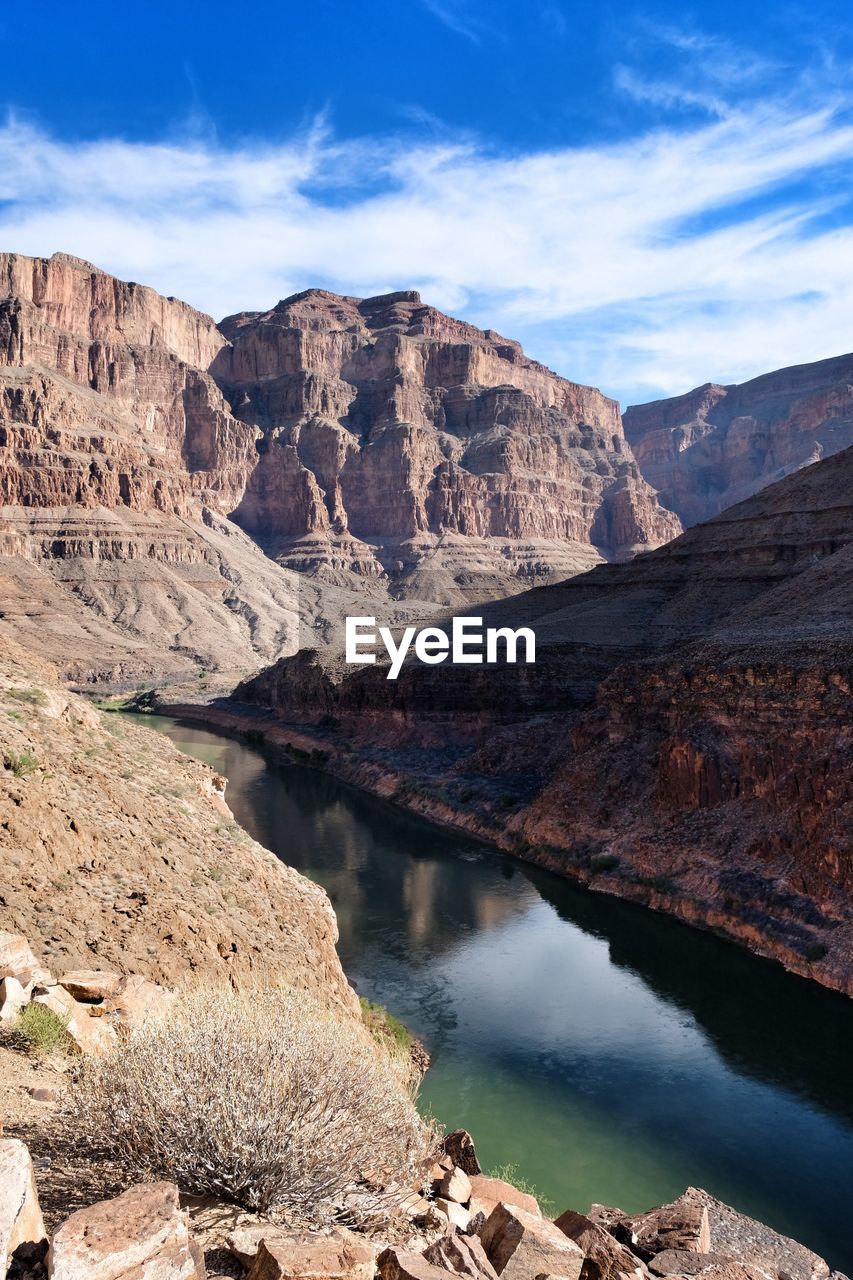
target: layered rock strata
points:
(152, 526)
(716, 445)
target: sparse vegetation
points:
(215, 873)
(43, 1031)
(20, 763)
(33, 697)
(509, 1173)
(384, 1026)
(266, 1098)
(604, 862)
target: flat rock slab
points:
(488, 1192)
(605, 1258)
(312, 1256)
(21, 1222)
(140, 1235)
(90, 984)
(521, 1246)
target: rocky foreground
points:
(454, 1220)
(684, 738)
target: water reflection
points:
(611, 1054)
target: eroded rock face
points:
(713, 447)
(399, 441)
(375, 448)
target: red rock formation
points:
(715, 446)
(377, 447)
(404, 442)
(684, 737)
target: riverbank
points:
(417, 781)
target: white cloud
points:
(645, 266)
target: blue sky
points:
(649, 197)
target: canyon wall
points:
(683, 738)
(401, 443)
(715, 446)
(178, 497)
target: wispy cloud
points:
(681, 255)
(457, 17)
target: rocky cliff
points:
(149, 461)
(713, 447)
(683, 738)
(400, 442)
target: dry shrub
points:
(265, 1098)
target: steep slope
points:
(401, 442)
(117, 851)
(684, 737)
(714, 446)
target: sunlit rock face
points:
(400, 442)
(715, 446)
(176, 494)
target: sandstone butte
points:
(713, 447)
(178, 497)
(684, 739)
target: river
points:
(609, 1054)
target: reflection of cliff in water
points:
(353, 845)
(763, 1021)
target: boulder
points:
(456, 1214)
(461, 1254)
(522, 1245)
(142, 1231)
(88, 1035)
(311, 1256)
(13, 998)
(454, 1185)
(21, 1222)
(486, 1193)
(459, 1145)
(90, 984)
(135, 1000)
(605, 1258)
(680, 1225)
(752, 1244)
(244, 1242)
(17, 960)
(398, 1264)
